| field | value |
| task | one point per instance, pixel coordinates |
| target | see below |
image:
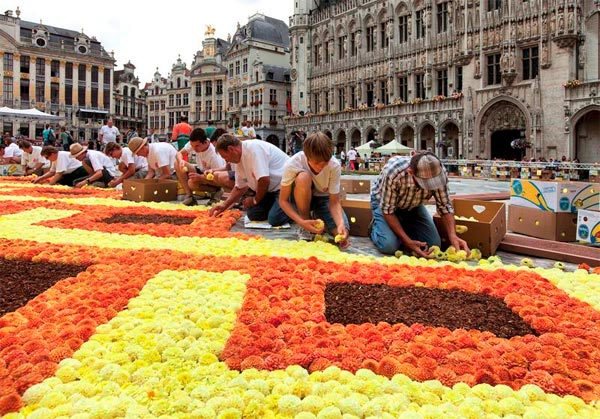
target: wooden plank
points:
(564, 252)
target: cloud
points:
(151, 37)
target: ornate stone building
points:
(56, 70)
(258, 82)
(156, 102)
(129, 100)
(460, 77)
(178, 93)
(208, 78)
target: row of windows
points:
(208, 88)
(380, 90)
(122, 108)
(40, 93)
(179, 99)
(157, 105)
(40, 68)
(207, 112)
(237, 67)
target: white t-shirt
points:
(352, 154)
(109, 134)
(160, 155)
(100, 161)
(65, 163)
(248, 131)
(32, 160)
(12, 150)
(260, 159)
(325, 183)
(127, 158)
(206, 160)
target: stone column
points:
(101, 87)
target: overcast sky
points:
(149, 36)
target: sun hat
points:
(76, 149)
(136, 143)
(428, 171)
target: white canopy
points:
(28, 114)
(365, 148)
(394, 147)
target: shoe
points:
(305, 235)
(190, 201)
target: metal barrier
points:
(495, 169)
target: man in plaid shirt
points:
(400, 219)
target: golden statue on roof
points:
(210, 30)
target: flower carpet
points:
(155, 310)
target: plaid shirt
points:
(396, 189)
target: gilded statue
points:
(210, 30)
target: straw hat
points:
(136, 143)
(76, 149)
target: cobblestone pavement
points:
(364, 246)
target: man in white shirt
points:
(130, 166)
(205, 170)
(248, 131)
(352, 155)
(152, 137)
(258, 167)
(63, 169)
(12, 152)
(109, 133)
(99, 167)
(161, 157)
(32, 161)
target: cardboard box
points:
(12, 169)
(486, 232)
(554, 196)
(356, 186)
(588, 227)
(359, 216)
(150, 190)
(557, 226)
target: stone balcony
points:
(581, 94)
(391, 113)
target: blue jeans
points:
(268, 209)
(319, 205)
(416, 222)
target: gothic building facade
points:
(464, 78)
(55, 70)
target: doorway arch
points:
(340, 143)
(503, 121)
(427, 138)
(407, 136)
(387, 134)
(586, 135)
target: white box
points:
(555, 196)
(588, 227)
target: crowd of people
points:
(301, 187)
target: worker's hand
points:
(419, 249)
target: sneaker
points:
(190, 201)
(305, 235)
(216, 197)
